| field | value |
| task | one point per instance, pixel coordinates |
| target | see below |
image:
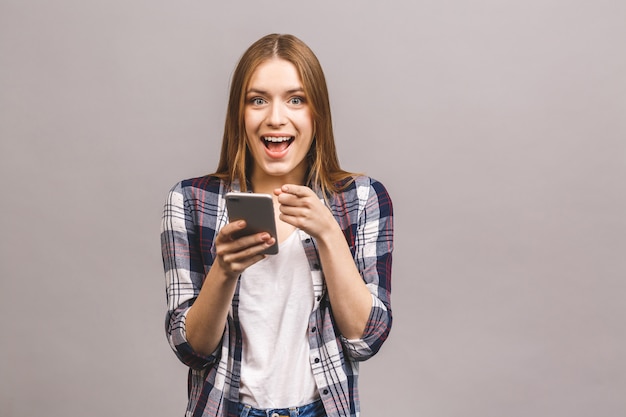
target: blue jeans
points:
(315, 409)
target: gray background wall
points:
(499, 128)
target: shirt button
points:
(325, 391)
(275, 415)
(307, 240)
(317, 360)
(313, 329)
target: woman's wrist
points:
(331, 234)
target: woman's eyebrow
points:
(256, 91)
(263, 92)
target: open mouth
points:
(277, 143)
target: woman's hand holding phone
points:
(236, 253)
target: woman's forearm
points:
(207, 317)
(350, 298)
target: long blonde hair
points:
(324, 172)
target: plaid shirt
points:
(194, 213)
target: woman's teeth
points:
(276, 139)
(277, 143)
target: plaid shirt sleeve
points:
(184, 270)
(366, 215)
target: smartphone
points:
(257, 210)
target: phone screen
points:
(257, 210)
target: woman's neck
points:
(268, 183)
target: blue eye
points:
(296, 101)
(257, 101)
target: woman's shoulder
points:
(360, 190)
(205, 182)
(361, 193)
(361, 183)
(203, 188)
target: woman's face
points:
(278, 122)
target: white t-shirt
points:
(275, 302)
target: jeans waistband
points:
(315, 409)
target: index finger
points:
(297, 190)
(232, 227)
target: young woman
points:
(278, 335)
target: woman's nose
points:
(276, 116)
